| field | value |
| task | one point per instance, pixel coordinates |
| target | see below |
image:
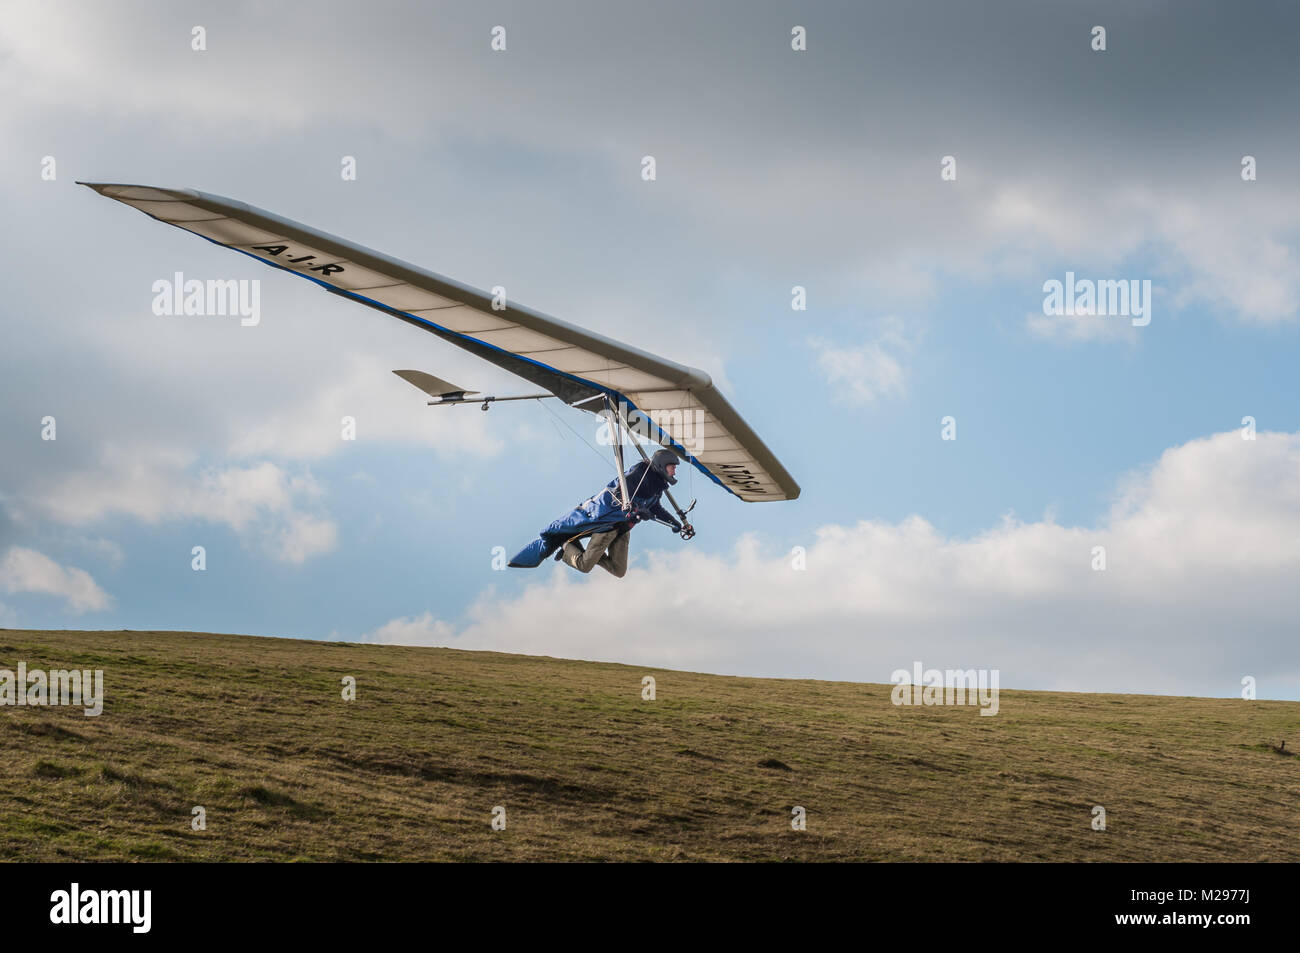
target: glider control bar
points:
(688, 530)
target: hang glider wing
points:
(677, 406)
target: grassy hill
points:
(255, 730)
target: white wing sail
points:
(674, 405)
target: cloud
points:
(261, 502)
(416, 630)
(1231, 249)
(870, 371)
(1202, 551)
(384, 408)
(1081, 327)
(821, 197)
(304, 536)
(545, 199)
(103, 549)
(27, 571)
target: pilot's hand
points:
(686, 529)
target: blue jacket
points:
(600, 514)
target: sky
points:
(1173, 444)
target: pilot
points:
(646, 483)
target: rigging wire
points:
(574, 432)
(601, 456)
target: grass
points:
(255, 731)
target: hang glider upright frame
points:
(673, 404)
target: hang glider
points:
(674, 405)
